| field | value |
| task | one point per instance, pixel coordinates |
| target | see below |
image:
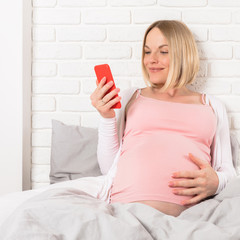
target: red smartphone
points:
(102, 71)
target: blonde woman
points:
(168, 147)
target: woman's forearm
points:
(108, 144)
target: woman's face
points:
(156, 57)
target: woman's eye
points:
(164, 52)
(147, 52)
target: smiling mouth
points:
(155, 69)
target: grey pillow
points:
(73, 152)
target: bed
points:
(71, 208)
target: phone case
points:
(104, 70)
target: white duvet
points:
(70, 211)
(9, 202)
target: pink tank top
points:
(157, 139)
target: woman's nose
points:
(153, 58)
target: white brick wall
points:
(71, 36)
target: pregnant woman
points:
(171, 149)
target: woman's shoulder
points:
(218, 106)
(127, 93)
(214, 100)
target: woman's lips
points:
(155, 69)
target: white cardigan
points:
(110, 141)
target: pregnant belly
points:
(161, 152)
(146, 165)
(165, 207)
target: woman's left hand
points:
(200, 183)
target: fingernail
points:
(170, 184)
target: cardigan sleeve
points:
(110, 132)
(223, 163)
(108, 143)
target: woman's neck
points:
(173, 92)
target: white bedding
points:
(9, 202)
(63, 211)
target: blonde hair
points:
(183, 53)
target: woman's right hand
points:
(103, 102)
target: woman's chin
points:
(157, 83)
